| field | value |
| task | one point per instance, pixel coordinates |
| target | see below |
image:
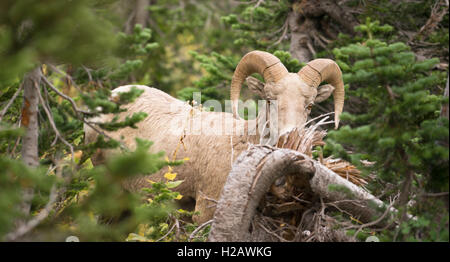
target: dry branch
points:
(53, 125)
(5, 109)
(283, 215)
(72, 102)
(78, 112)
(194, 233)
(251, 176)
(438, 11)
(30, 225)
(255, 171)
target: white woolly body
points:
(209, 150)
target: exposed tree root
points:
(280, 194)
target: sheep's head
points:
(295, 93)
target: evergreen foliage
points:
(400, 129)
(87, 197)
(84, 52)
(36, 31)
(257, 26)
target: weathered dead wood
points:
(309, 27)
(347, 196)
(255, 170)
(438, 11)
(444, 109)
(250, 178)
(29, 121)
(30, 118)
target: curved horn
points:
(263, 63)
(327, 70)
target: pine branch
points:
(30, 225)
(55, 129)
(54, 68)
(199, 228)
(74, 105)
(283, 35)
(78, 111)
(5, 109)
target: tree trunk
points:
(30, 123)
(255, 170)
(406, 189)
(444, 109)
(138, 14)
(141, 12)
(252, 174)
(313, 24)
(299, 38)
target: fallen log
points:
(256, 169)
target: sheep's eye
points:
(309, 107)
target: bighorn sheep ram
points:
(211, 155)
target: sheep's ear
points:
(323, 92)
(256, 86)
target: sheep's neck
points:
(253, 136)
(250, 134)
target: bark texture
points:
(255, 170)
(444, 109)
(30, 123)
(138, 14)
(347, 196)
(141, 12)
(314, 23)
(253, 173)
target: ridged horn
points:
(263, 63)
(320, 70)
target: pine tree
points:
(399, 128)
(82, 49)
(71, 84)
